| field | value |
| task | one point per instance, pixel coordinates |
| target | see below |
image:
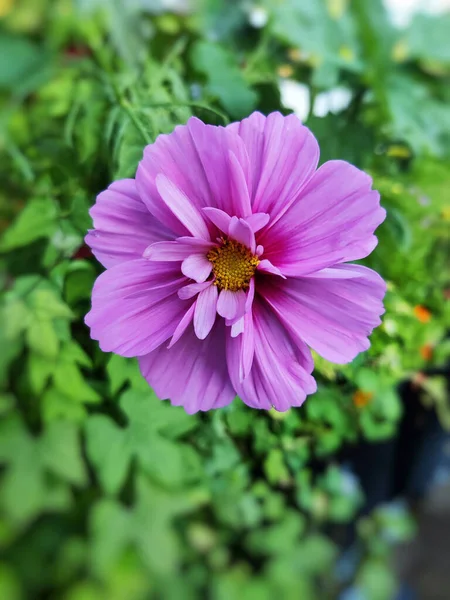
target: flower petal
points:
(332, 221)
(197, 267)
(205, 312)
(279, 376)
(123, 225)
(239, 199)
(180, 205)
(220, 218)
(333, 315)
(266, 266)
(182, 325)
(135, 307)
(237, 325)
(283, 156)
(192, 289)
(195, 157)
(193, 373)
(257, 221)
(241, 231)
(176, 250)
(231, 304)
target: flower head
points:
(226, 258)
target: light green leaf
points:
(225, 80)
(41, 337)
(60, 452)
(37, 220)
(68, 379)
(109, 451)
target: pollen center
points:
(233, 265)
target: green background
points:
(108, 493)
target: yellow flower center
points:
(233, 265)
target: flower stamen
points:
(233, 265)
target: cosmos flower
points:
(226, 260)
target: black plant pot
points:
(407, 465)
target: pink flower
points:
(225, 261)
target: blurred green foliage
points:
(107, 493)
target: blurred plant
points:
(107, 492)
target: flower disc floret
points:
(233, 265)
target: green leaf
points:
(328, 39)
(275, 467)
(40, 369)
(60, 452)
(426, 131)
(69, 380)
(27, 57)
(225, 80)
(79, 281)
(46, 305)
(109, 542)
(37, 220)
(124, 370)
(56, 406)
(376, 580)
(26, 490)
(147, 525)
(108, 449)
(427, 38)
(150, 423)
(41, 337)
(280, 538)
(10, 585)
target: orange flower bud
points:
(426, 351)
(361, 398)
(422, 314)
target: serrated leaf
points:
(46, 305)
(41, 338)
(68, 379)
(26, 489)
(37, 220)
(60, 452)
(109, 451)
(56, 406)
(40, 369)
(225, 80)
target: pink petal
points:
(123, 225)
(332, 221)
(333, 316)
(279, 375)
(239, 199)
(197, 267)
(182, 325)
(193, 373)
(135, 307)
(267, 267)
(180, 205)
(195, 157)
(213, 146)
(176, 250)
(192, 289)
(240, 231)
(220, 218)
(237, 328)
(283, 155)
(242, 347)
(231, 304)
(257, 221)
(205, 312)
